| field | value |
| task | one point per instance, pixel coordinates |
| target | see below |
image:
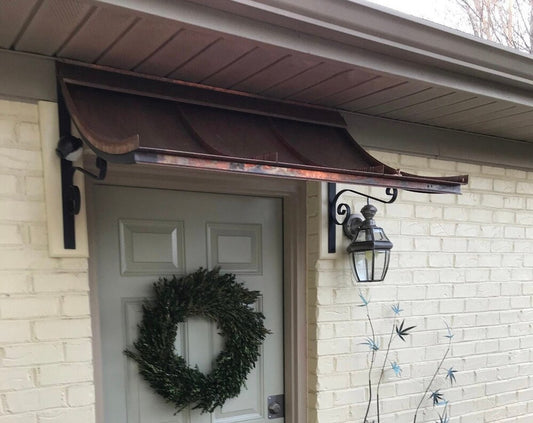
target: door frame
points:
(293, 195)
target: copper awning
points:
(126, 117)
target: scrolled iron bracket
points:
(70, 193)
(349, 221)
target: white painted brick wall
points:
(466, 259)
(46, 373)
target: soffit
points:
(121, 38)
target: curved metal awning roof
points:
(125, 117)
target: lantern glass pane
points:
(381, 260)
(363, 235)
(379, 235)
(387, 259)
(362, 262)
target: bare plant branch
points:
(372, 360)
(383, 368)
(508, 22)
(432, 379)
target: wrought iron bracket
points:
(71, 197)
(70, 193)
(349, 221)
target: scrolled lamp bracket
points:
(350, 221)
(69, 149)
(369, 249)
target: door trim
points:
(293, 195)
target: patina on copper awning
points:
(130, 118)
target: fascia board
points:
(365, 36)
(376, 133)
(376, 23)
(27, 76)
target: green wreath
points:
(216, 297)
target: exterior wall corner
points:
(46, 371)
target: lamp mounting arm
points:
(348, 221)
(101, 164)
(344, 209)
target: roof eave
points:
(358, 24)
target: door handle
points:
(276, 406)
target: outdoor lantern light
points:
(369, 249)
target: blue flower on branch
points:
(437, 397)
(371, 344)
(396, 308)
(396, 368)
(450, 334)
(364, 300)
(450, 373)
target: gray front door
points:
(142, 234)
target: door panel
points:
(151, 246)
(146, 233)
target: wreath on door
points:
(214, 296)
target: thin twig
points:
(383, 367)
(432, 379)
(371, 364)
